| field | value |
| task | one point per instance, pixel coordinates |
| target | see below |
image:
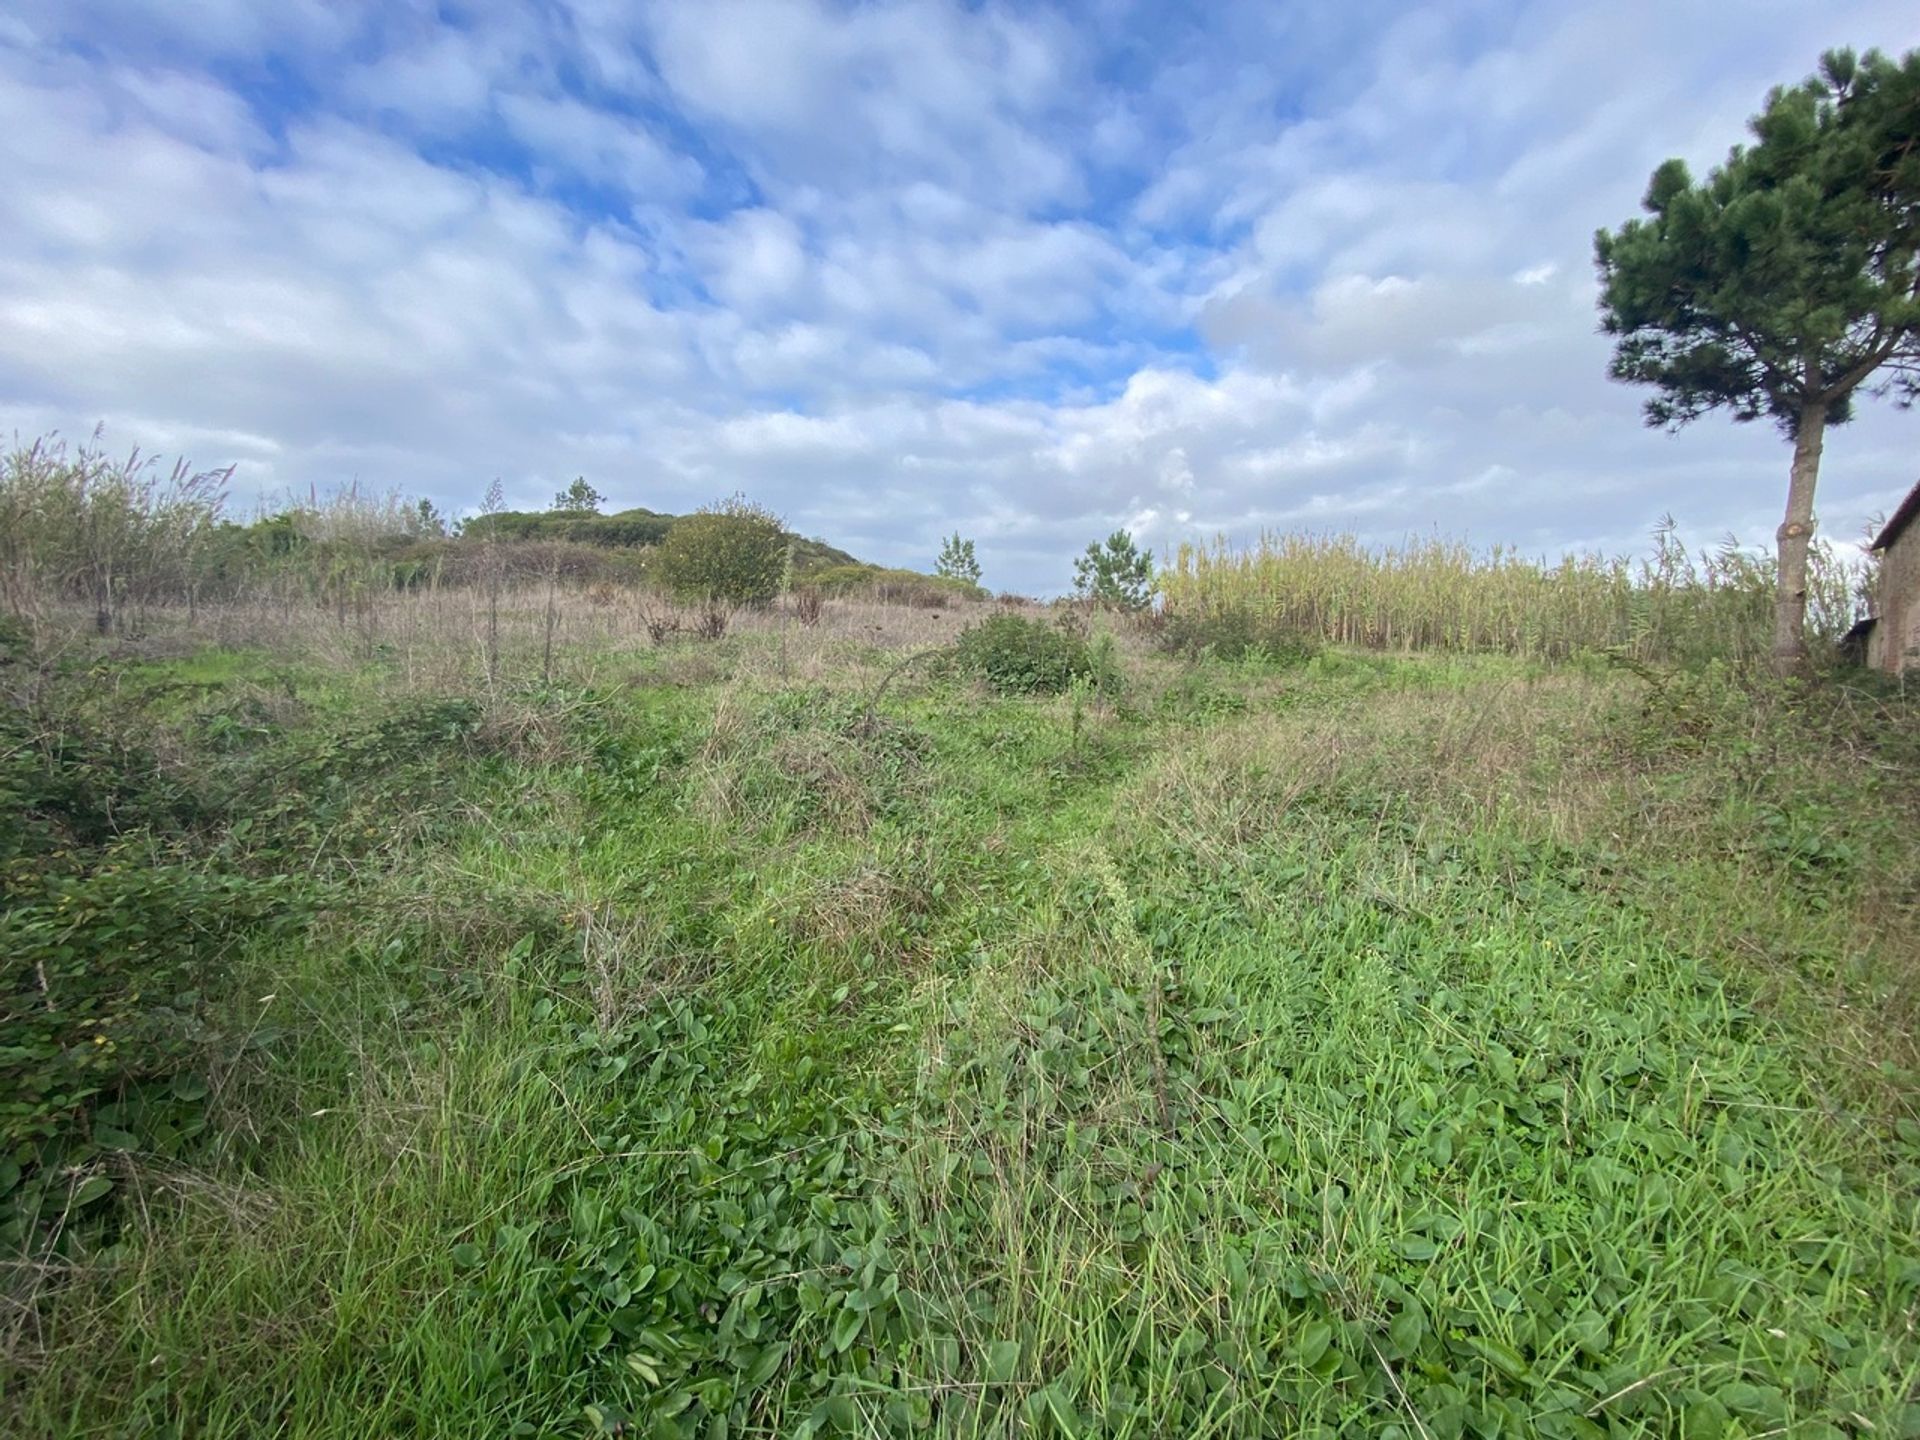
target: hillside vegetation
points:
(787, 1035)
(125, 534)
(626, 530)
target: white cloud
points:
(891, 268)
(576, 139)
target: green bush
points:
(1016, 656)
(891, 587)
(734, 552)
(1235, 633)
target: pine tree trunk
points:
(1794, 536)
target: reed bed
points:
(1435, 593)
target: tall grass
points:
(116, 534)
(1434, 593)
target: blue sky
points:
(1031, 272)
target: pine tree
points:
(957, 560)
(1784, 284)
(1117, 573)
(579, 498)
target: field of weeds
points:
(774, 1037)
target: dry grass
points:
(436, 641)
(1437, 594)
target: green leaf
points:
(1003, 1361)
(1313, 1343)
(1705, 1419)
(467, 1255)
(1406, 1332)
(90, 1190)
(1760, 1402)
(1051, 1403)
(1504, 1358)
(764, 1365)
(837, 1411)
(846, 1328)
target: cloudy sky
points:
(1032, 272)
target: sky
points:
(1029, 272)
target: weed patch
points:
(809, 759)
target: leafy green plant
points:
(732, 553)
(1017, 656)
(1234, 632)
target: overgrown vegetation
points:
(125, 535)
(770, 1038)
(1234, 632)
(118, 535)
(1672, 607)
(890, 587)
(1018, 656)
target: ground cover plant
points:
(768, 1036)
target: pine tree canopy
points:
(1787, 278)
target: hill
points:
(633, 529)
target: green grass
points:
(1423, 1048)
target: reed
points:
(1436, 593)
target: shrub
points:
(732, 553)
(1016, 656)
(625, 529)
(1235, 633)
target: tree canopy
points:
(579, 498)
(732, 553)
(1785, 284)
